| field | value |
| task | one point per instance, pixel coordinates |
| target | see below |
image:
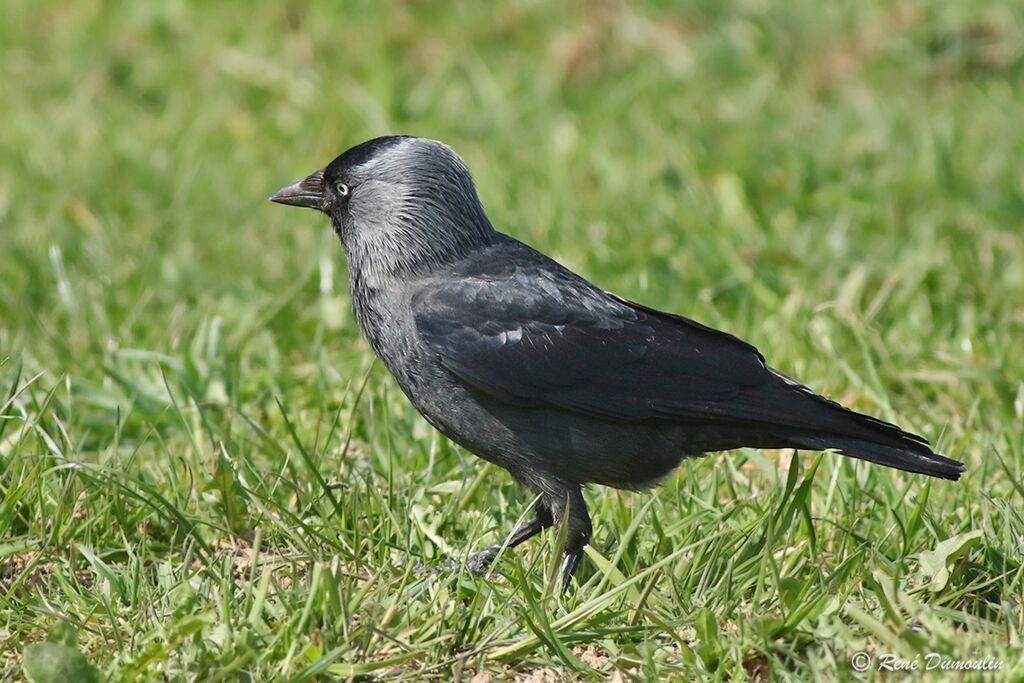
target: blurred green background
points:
(203, 474)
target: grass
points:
(205, 476)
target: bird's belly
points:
(536, 444)
(541, 444)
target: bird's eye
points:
(342, 189)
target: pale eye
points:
(342, 189)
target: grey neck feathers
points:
(409, 230)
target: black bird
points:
(532, 367)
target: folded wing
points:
(528, 332)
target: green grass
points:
(205, 476)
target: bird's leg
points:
(480, 561)
(573, 512)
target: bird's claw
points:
(480, 562)
(569, 563)
(421, 568)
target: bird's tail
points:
(867, 438)
(896, 451)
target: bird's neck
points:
(371, 305)
(392, 256)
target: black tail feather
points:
(912, 456)
(825, 424)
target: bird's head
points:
(400, 204)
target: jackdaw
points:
(531, 367)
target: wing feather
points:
(536, 335)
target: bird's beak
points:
(308, 192)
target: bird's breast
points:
(385, 317)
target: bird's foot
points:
(569, 564)
(421, 568)
(480, 562)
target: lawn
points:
(204, 474)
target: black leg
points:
(573, 511)
(480, 561)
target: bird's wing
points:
(534, 334)
(525, 331)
